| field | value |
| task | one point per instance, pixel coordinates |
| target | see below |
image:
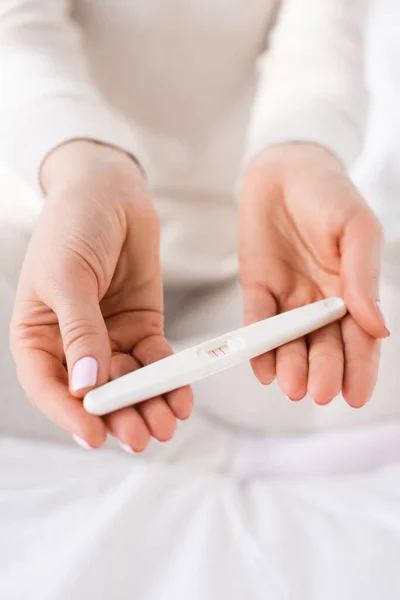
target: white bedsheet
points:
(99, 526)
(78, 525)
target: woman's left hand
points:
(305, 234)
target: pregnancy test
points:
(211, 357)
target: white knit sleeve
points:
(311, 85)
(46, 95)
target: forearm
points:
(47, 96)
(311, 86)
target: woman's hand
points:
(305, 234)
(89, 302)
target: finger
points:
(361, 352)
(127, 425)
(361, 255)
(260, 304)
(292, 369)
(45, 381)
(181, 402)
(159, 418)
(83, 331)
(326, 364)
(255, 264)
(152, 349)
(134, 425)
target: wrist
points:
(75, 160)
(298, 154)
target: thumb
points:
(360, 251)
(84, 334)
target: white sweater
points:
(175, 84)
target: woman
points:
(132, 116)
(118, 527)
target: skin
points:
(305, 234)
(91, 284)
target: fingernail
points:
(379, 305)
(294, 399)
(81, 442)
(84, 373)
(127, 448)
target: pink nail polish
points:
(81, 442)
(84, 373)
(379, 305)
(127, 448)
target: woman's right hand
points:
(89, 301)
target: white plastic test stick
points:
(213, 356)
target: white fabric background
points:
(76, 525)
